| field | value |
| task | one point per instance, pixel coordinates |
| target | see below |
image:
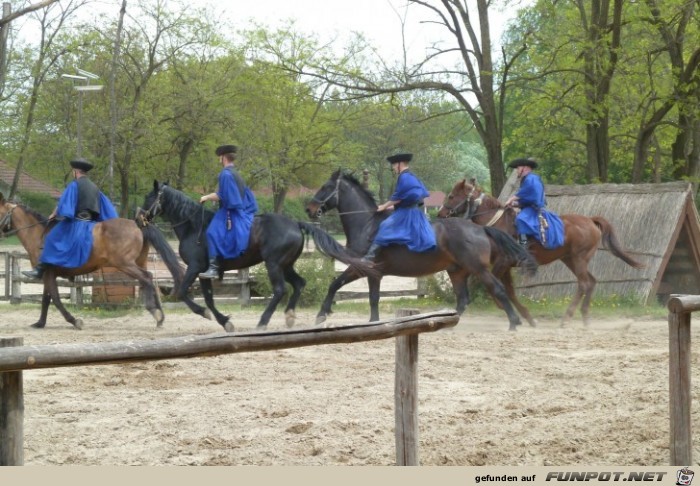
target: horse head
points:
(6, 209)
(326, 198)
(460, 201)
(154, 201)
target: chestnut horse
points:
(463, 248)
(117, 242)
(582, 235)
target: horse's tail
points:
(513, 250)
(330, 247)
(611, 242)
(156, 238)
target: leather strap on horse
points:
(496, 217)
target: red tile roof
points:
(435, 199)
(26, 182)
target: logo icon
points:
(684, 477)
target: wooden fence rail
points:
(234, 286)
(16, 359)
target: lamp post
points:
(84, 77)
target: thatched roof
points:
(656, 223)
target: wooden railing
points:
(16, 358)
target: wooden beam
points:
(61, 355)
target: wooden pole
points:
(406, 396)
(11, 412)
(16, 297)
(681, 446)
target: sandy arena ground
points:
(543, 396)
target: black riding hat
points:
(226, 149)
(395, 159)
(529, 162)
(81, 164)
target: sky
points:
(379, 20)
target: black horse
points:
(274, 239)
(463, 248)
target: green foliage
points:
(318, 272)
(293, 207)
(39, 202)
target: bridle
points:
(472, 205)
(156, 208)
(322, 203)
(6, 223)
(452, 211)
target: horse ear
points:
(2, 197)
(472, 181)
(155, 185)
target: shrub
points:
(39, 202)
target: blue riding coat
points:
(532, 203)
(69, 243)
(229, 230)
(407, 225)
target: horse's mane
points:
(32, 212)
(354, 180)
(182, 208)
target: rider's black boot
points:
(371, 253)
(212, 271)
(37, 273)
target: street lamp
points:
(84, 77)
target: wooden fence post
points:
(244, 277)
(681, 446)
(406, 396)
(8, 275)
(16, 297)
(11, 412)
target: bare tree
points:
(477, 83)
(51, 20)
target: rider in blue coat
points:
(407, 225)
(81, 205)
(534, 219)
(229, 230)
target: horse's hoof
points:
(228, 327)
(78, 324)
(289, 318)
(533, 323)
(208, 315)
(513, 328)
(158, 316)
(38, 325)
(320, 320)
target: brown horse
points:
(117, 243)
(463, 248)
(582, 235)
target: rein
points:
(6, 222)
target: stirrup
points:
(36, 273)
(212, 272)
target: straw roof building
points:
(656, 223)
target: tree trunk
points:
(113, 120)
(185, 151)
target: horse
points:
(582, 236)
(117, 243)
(463, 248)
(274, 239)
